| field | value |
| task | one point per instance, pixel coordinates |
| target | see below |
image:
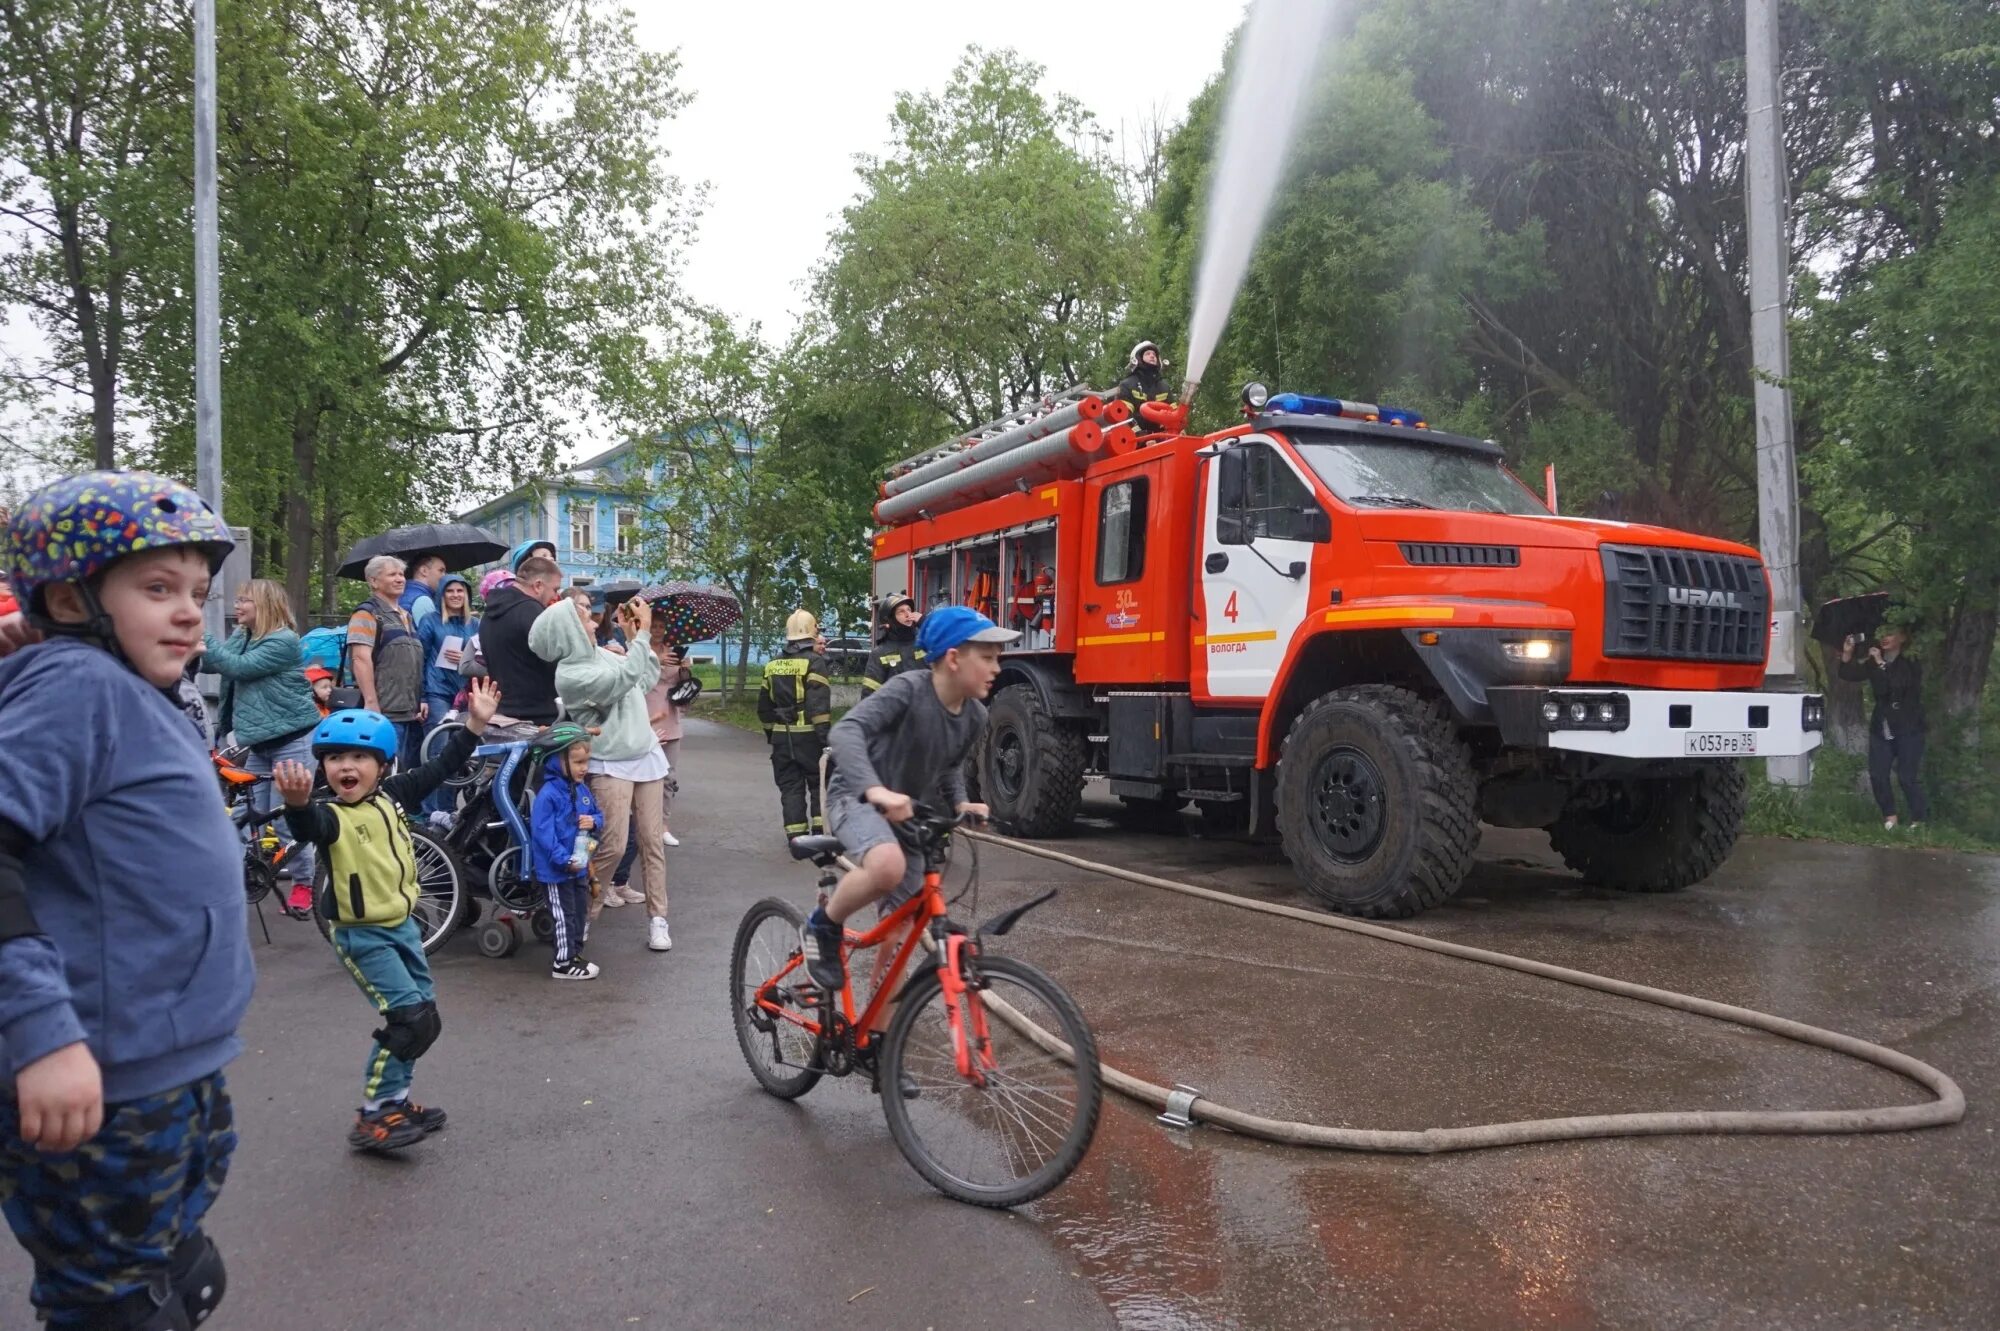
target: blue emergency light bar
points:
(1301, 404)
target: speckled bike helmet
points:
(558, 737)
(356, 728)
(74, 529)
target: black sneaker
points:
(908, 1086)
(389, 1128)
(430, 1120)
(821, 948)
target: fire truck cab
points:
(1333, 625)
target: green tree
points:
(1902, 370)
(94, 127)
(989, 253)
(1363, 279)
(708, 478)
(445, 226)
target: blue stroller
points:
(489, 836)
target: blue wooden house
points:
(589, 513)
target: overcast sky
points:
(787, 93)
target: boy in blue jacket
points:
(566, 826)
(120, 991)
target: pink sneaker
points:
(301, 898)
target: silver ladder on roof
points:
(1013, 420)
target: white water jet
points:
(1277, 61)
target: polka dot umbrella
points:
(692, 611)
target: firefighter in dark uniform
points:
(896, 650)
(796, 707)
(1145, 389)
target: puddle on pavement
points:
(1205, 1232)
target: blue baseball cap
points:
(951, 626)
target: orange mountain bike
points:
(987, 1111)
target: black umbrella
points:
(1850, 614)
(460, 543)
(615, 592)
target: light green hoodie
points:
(599, 687)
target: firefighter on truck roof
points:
(796, 707)
(896, 648)
(1145, 388)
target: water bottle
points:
(585, 847)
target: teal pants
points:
(389, 965)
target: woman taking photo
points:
(266, 700)
(607, 690)
(665, 715)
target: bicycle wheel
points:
(1026, 1128)
(441, 892)
(511, 888)
(259, 879)
(780, 1052)
(434, 744)
(441, 889)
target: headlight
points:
(1586, 711)
(1255, 396)
(1530, 649)
(1812, 712)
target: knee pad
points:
(200, 1279)
(410, 1030)
(154, 1308)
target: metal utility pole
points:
(1765, 198)
(207, 289)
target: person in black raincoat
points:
(896, 647)
(796, 708)
(1896, 731)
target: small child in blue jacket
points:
(566, 826)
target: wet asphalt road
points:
(610, 1162)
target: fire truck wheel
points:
(1658, 835)
(1031, 766)
(1377, 802)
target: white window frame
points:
(583, 526)
(625, 528)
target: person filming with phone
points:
(605, 691)
(1896, 730)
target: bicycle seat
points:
(813, 847)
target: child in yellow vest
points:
(371, 887)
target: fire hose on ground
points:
(1948, 1106)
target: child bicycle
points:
(266, 856)
(986, 1112)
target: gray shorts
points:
(861, 827)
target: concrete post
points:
(207, 291)
(1777, 466)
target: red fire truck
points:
(1334, 625)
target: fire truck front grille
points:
(1461, 556)
(1684, 605)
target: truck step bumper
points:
(1660, 723)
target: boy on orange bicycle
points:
(906, 741)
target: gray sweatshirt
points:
(901, 736)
